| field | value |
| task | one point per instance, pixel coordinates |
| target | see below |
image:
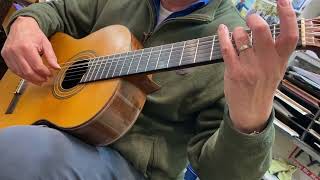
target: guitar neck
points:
(178, 55)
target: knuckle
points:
(290, 14)
(293, 37)
(24, 47)
(225, 50)
(38, 68)
(260, 28)
(27, 73)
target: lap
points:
(34, 152)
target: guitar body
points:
(99, 112)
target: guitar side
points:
(98, 112)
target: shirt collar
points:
(194, 6)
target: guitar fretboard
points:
(169, 56)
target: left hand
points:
(251, 78)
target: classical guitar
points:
(102, 86)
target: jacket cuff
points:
(255, 141)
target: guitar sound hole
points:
(74, 74)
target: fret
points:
(159, 57)
(106, 69)
(112, 68)
(189, 52)
(123, 62)
(100, 61)
(119, 65)
(204, 50)
(213, 41)
(105, 61)
(94, 64)
(131, 62)
(135, 62)
(140, 60)
(143, 60)
(195, 54)
(170, 55)
(184, 45)
(164, 57)
(176, 54)
(85, 77)
(153, 58)
(145, 69)
(126, 63)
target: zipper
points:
(152, 31)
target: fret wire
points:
(86, 75)
(131, 62)
(116, 65)
(139, 60)
(195, 54)
(184, 45)
(93, 69)
(170, 55)
(159, 57)
(90, 70)
(123, 62)
(110, 66)
(111, 60)
(148, 59)
(104, 67)
(99, 60)
(211, 51)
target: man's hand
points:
(22, 50)
(252, 77)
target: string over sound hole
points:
(74, 74)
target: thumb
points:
(49, 54)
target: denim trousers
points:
(42, 153)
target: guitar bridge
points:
(19, 90)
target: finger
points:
(241, 39)
(35, 62)
(49, 55)
(288, 38)
(28, 73)
(228, 52)
(261, 35)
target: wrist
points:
(25, 19)
(250, 124)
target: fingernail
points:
(284, 3)
(222, 27)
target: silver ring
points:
(244, 47)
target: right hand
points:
(23, 48)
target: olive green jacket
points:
(186, 120)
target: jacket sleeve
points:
(74, 17)
(227, 153)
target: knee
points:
(30, 147)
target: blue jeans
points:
(41, 153)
